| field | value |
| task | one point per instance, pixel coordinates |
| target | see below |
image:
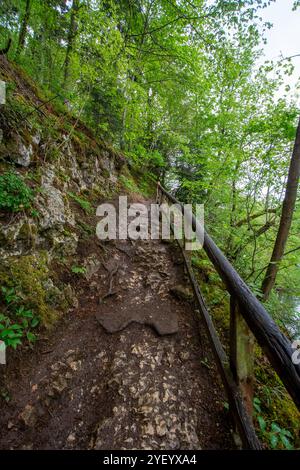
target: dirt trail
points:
(84, 388)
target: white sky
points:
(284, 37)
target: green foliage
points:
(147, 184)
(129, 184)
(26, 277)
(87, 229)
(34, 213)
(16, 321)
(15, 195)
(275, 436)
(83, 203)
(78, 269)
(177, 87)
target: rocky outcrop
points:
(62, 164)
(54, 213)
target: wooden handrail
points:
(273, 342)
(242, 420)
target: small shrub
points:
(129, 184)
(87, 230)
(78, 269)
(26, 277)
(17, 322)
(15, 195)
(271, 432)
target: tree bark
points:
(285, 220)
(23, 29)
(233, 210)
(70, 42)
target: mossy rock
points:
(28, 232)
(277, 405)
(105, 173)
(27, 274)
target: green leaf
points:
(34, 323)
(16, 326)
(31, 337)
(287, 444)
(275, 427)
(5, 333)
(262, 423)
(28, 314)
(287, 433)
(256, 404)
(273, 440)
(13, 342)
(78, 269)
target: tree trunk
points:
(23, 29)
(229, 242)
(285, 220)
(70, 42)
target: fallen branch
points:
(255, 216)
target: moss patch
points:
(276, 404)
(28, 275)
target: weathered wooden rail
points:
(248, 321)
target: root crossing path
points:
(128, 368)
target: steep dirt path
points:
(84, 388)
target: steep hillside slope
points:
(53, 173)
(81, 387)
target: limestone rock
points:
(28, 415)
(25, 154)
(19, 151)
(70, 296)
(182, 292)
(92, 265)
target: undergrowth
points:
(16, 321)
(276, 417)
(15, 195)
(25, 277)
(82, 202)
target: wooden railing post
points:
(242, 354)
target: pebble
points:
(71, 438)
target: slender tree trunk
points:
(234, 193)
(149, 126)
(285, 220)
(122, 137)
(23, 29)
(70, 42)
